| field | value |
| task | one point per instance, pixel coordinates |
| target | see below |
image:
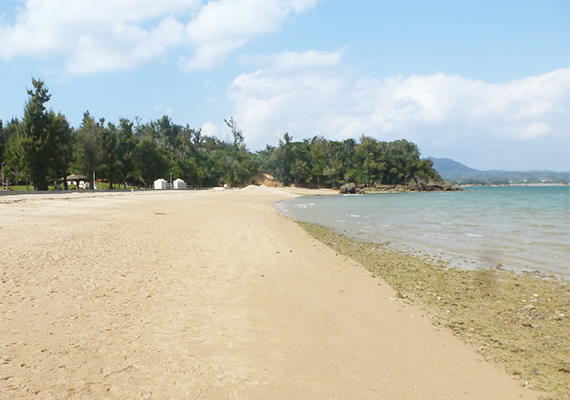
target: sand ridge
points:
(208, 295)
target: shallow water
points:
(520, 228)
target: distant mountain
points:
(445, 165)
(453, 171)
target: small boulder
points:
(349, 188)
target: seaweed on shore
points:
(519, 321)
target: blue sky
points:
(486, 83)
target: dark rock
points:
(415, 187)
(349, 188)
(431, 186)
(381, 187)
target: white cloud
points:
(291, 61)
(437, 112)
(225, 25)
(95, 36)
(210, 129)
(106, 35)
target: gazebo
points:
(75, 178)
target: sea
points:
(521, 228)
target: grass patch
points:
(105, 186)
(18, 188)
(518, 321)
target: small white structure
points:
(179, 184)
(161, 184)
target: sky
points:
(486, 83)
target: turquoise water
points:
(520, 228)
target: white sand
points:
(207, 295)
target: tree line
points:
(42, 148)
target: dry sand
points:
(208, 295)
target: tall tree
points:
(88, 147)
(283, 158)
(62, 149)
(109, 140)
(126, 145)
(3, 140)
(150, 161)
(237, 134)
(13, 153)
(37, 144)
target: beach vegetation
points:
(319, 162)
(88, 151)
(38, 147)
(42, 148)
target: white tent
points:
(179, 184)
(161, 184)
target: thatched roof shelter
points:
(75, 177)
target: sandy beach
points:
(208, 295)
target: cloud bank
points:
(223, 26)
(107, 35)
(302, 94)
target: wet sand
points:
(518, 321)
(208, 295)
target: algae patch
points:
(519, 321)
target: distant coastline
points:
(534, 184)
(465, 176)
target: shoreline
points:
(209, 294)
(520, 321)
(554, 184)
(473, 252)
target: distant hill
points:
(453, 171)
(447, 165)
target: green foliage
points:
(62, 156)
(109, 142)
(34, 137)
(150, 161)
(38, 147)
(42, 146)
(125, 151)
(88, 151)
(13, 153)
(3, 140)
(322, 163)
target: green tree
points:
(13, 153)
(88, 153)
(237, 134)
(150, 161)
(282, 158)
(3, 140)
(36, 140)
(110, 167)
(318, 162)
(39, 146)
(370, 153)
(62, 148)
(126, 145)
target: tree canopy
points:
(38, 146)
(41, 147)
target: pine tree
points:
(35, 137)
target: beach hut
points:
(179, 184)
(161, 184)
(78, 180)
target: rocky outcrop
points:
(432, 186)
(350, 188)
